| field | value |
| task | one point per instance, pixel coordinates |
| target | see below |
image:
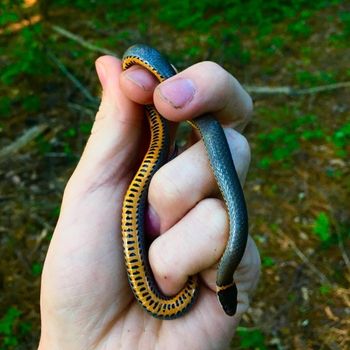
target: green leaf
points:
(317, 134)
(37, 268)
(252, 339)
(321, 227)
(267, 261)
(265, 163)
(31, 103)
(85, 128)
(10, 341)
(7, 321)
(325, 289)
(300, 29)
(341, 137)
(69, 133)
(25, 328)
(55, 212)
(5, 106)
(8, 17)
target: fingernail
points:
(152, 223)
(141, 79)
(101, 72)
(177, 92)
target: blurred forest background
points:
(293, 58)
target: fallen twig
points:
(63, 68)
(258, 90)
(81, 41)
(343, 251)
(22, 141)
(72, 78)
(19, 25)
(84, 109)
(323, 278)
(290, 91)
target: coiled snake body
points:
(139, 273)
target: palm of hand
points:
(90, 288)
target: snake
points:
(140, 277)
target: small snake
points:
(138, 269)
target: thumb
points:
(111, 150)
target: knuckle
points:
(211, 66)
(243, 149)
(222, 76)
(213, 211)
(238, 101)
(246, 104)
(163, 188)
(239, 145)
(248, 107)
(216, 75)
(160, 262)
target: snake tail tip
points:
(228, 298)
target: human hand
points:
(86, 302)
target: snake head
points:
(227, 296)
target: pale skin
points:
(86, 302)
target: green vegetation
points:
(281, 143)
(26, 58)
(12, 329)
(267, 261)
(321, 227)
(37, 269)
(341, 139)
(7, 326)
(298, 185)
(252, 339)
(325, 289)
